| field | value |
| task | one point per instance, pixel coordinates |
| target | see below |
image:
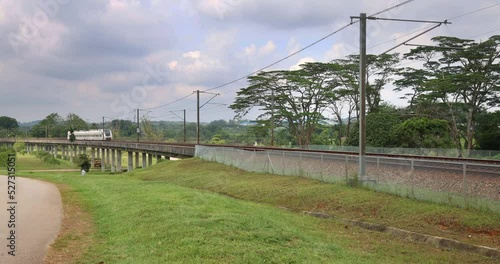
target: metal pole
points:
(184, 125)
(198, 116)
(362, 96)
(138, 127)
(103, 128)
(272, 117)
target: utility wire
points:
(402, 36)
(494, 30)
(473, 12)
(392, 7)
(113, 118)
(283, 59)
(306, 47)
(428, 29)
(167, 104)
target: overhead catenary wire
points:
(392, 7)
(475, 11)
(491, 31)
(322, 39)
(446, 20)
(115, 117)
(167, 104)
(412, 38)
(305, 48)
(283, 59)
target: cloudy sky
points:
(108, 57)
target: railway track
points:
(470, 161)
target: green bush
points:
(20, 147)
(83, 161)
(4, 152)
(47, 158)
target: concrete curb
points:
(439, 242)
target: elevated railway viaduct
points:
(109, 152)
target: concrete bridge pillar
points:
(54, 151)
(119, 160)
(130, 161)
(113, 160)
(158, 158)
(92, 157)
(150, 160)
(108, 154)
(103, 160)
(98, 153)
(137, 159)
(71, 153)
(63, 152)
(143, 160)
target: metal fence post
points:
(378, 168)
(322, 165)
(412, 180)
(346, 169)
(301, 170)
(283, 163)
(465, 180)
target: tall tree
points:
(380, 69)
(8, 123)
(464, 77)
(76, 122)
(50, 126)
(423, 132)
(296, 97)
(381, 128)
(488, 131)
(413, 80)
(345, 96)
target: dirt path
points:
(38, 216)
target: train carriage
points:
(98, 134)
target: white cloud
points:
(172, 65)
(192, 55)
(111, 45)
(120, 5)
(300, 62)
(262, 51)
(337, 51)
(267, 49)
(250, 50)
(293, 45)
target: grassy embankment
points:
(29, 162)
(170, 213)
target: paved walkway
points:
(37, 220)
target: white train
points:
(99, 134)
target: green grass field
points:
(30, 162)
(174, 213)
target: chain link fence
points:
(433, 152)
(455, 183)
